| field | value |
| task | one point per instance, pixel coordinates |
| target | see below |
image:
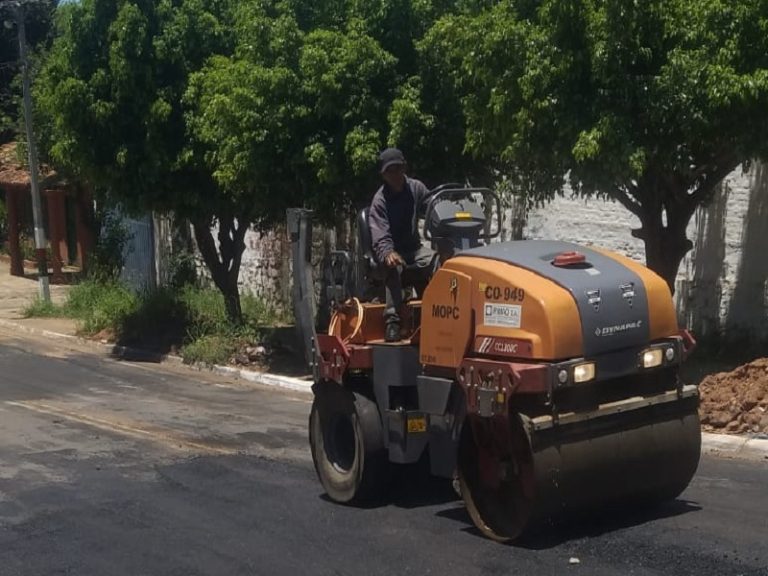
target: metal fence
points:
(139, 254)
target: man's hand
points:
(393, 260)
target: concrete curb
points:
(714, 444)
(139, 355)
(266, 379)
(734, 446)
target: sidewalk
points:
(17, 293)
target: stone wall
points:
(266, 270)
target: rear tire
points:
(347, 443)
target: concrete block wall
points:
(722, 285)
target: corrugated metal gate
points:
(139, 254)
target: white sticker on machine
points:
(505, 315)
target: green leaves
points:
(255, 104)
(245, 117)
(607, 90)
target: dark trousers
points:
(417, 272)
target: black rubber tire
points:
(347, 443)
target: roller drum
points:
(632, 458)
(642, 457)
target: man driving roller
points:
(393, 219)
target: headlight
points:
(584, 372)
(652, 358)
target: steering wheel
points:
(459, 191)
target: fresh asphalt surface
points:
(119, 468)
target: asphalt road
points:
(114, 468)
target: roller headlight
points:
(584, 372)
(652, 358)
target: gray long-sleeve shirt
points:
(394, 218)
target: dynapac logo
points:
(618, 328)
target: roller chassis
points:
(525, 445)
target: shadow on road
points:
(411, 486)
(584, 525)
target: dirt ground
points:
(736, 402)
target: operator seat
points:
(370, 279)
(365, 242)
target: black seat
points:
(369, 279)
(365, 242)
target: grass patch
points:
(191, 321)
(211, 338)
(101, 306)
(40, 308)
(210, 349)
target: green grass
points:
(101, 306)
(40, 308)
(189, 320)
(210, 349)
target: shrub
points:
(101, 305)
(210, 349)
(193, 319)
(108, 256)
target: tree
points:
(227, 112)
(39, 21)
(356, 86)
(648, 103)
(110, 102)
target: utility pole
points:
(37, 210)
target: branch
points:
(207, 248)
(626, 200)
(238, 249)
(717, 170)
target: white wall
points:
(721, 284)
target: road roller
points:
(541, 376)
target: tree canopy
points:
(649, 103)
(39, 28)
(226, 112)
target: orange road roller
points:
(543, 376)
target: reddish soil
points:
(736, 402)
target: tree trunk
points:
(666, 244)
(664, 251)
(224, 260)
(232, 302)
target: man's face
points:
(394, 176)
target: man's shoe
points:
(392, 333)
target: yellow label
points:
(417, 425)
(463, 215)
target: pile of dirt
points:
(736, 402)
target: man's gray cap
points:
(390, 157)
